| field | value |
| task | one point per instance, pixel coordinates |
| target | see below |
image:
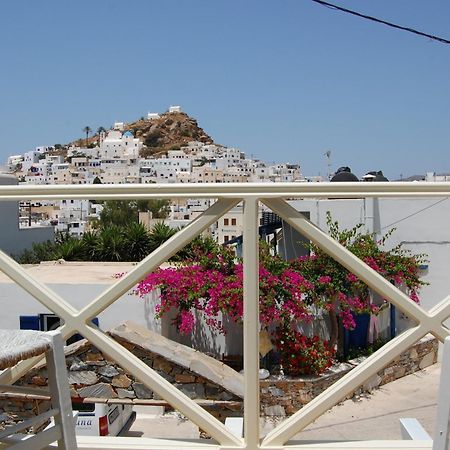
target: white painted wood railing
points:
(229, 195)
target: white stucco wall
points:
(14, 240)
(78, 284)
(421, 225)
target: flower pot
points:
(357, 338)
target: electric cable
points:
(412, 214)
(383, 22)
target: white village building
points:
(118, 145)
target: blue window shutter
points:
(29, 322)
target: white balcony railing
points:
(228, 195)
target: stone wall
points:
(286, 396)
(92, 374)
(18, 408)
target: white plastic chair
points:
(18, 345)
(411, 427)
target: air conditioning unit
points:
(48, 322)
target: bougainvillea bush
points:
(210, 279)
(303, 355)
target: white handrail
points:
(233, 190)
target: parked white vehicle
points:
(102, 419)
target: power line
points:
(389, 24)
(412, 214)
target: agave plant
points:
(110, 244)
(90, 246)
(136, 241)
(159, 234)
(70, 250)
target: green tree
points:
(198, 250)
(147, 152)
(123, 212)
(152, 138)
(118, 212)
(42, 251)
(160, 208)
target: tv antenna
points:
(327, 154)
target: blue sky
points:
(283, 80)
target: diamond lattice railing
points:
(229, 196)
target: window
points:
(226, 222)
(233, 222)
(226, 238)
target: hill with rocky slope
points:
(169, 131)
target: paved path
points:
(165, 426)
(375, 416)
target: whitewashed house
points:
(81, 151)
(207, 174)
(14, 161)
(118, 145)
(114, 171)
(30, 158)
(60, 174)
(432, 176)
(54, 159)
(284, 173)
(230, 225)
